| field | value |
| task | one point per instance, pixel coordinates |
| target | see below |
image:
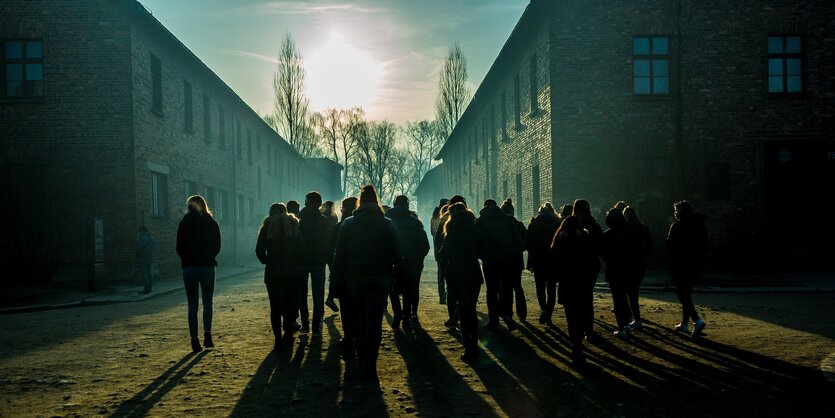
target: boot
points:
(195, 345)
(207, 340)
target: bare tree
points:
(338, 132)
(375, 143)
(290, 109)
(453, 92)
(423, 141)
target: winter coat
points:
(410, 233)
(619, 248)
(280, 255)
(572, 260)
(146, 244)
(315, 229)
(438, 239)
(502, 237)
(367, 246)
(436, 219)
(596, 235)
(686, 247)
(198, 240)
(461, 249)
(644, 248)
(538, 239)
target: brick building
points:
(727, 104)
(123, 122)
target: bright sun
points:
(340, 75)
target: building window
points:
(207, 118)
(785, 64)
(221, 127)
(258, 142)
(188, 107)
(249, 146)
(504, 190)
(159, 194)
(210, 196)
(493, 125)
(519, 191)
(250, 210)
(156, 84)
(259, 183)
(535, 188)
(651, 65)
(239, 210)
(23, 68)
(189, 189)
(534, 86)
(517, 102)
(238, 142)
(222, 206)
(504, 116)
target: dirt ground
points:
(759, 357)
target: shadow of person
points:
(142, 402)
(272, 389)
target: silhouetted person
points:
(461, 250)
(339, 287)
(293, 208)
(538, 240)
(434, 223)
(198, 243)
(618, 249)
(146, 244)
(573, 258)
(452, 306)
(514, 287)
(279, 247)
(415, 247)
(621, 205)
(502, 242)
(565, 211)
(367, 255)
(638, 268)
(315, 230)
(582, 211)
(329, 211)
(686, 247)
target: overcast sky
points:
(391, 50)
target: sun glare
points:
(340, 75)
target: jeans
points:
(684, 291)
(620, 302)
(451, 302)
(467, 296)
(317, 287)
(411, 291)
(494, 273)
(283, 310)
(575, 317)
(546, 290)
(147, 280)
(511, 285)
(632, 292)
(369, 296)
(441, 284)
(202, 277)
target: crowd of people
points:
(375, 255)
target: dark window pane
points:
(793, 66)
(33, 49)
(641, 85)
(659, 46)
(794, 84)
(641, 68)
(14, 72)
(34, 88)
(661, 85)
(660, 68)
(793, 45)
(775, 66)
(775, 44)
(775, 84)
(14, 88)
(34, 71)
(14, 50)
(640, 46)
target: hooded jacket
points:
(410, 233)
(198, 240)
(462, 247)
(538, 239)
(686, 246)
(502, 238)
(367, 246)
(315, 229)
(572, 260)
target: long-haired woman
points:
(278, 248)
(639, 268)
(198, 243)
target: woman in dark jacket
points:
(279, 247)
(198, 243)
(463, 246)
(515, 288)
(538, 239)
(639, 264)
(686, 247)
(618, 250)
(367, 255)
(573, 258)
(581, 209)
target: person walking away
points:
(339, 288)
(279, 247)
(434, 223)
(452, 306)
(618, 250)
(501, 243)
(538, 239)
(515, 274)
(315, 230)
(415, 246)
(581, 209)
(329, 211)
(572, 259)
(686, 247)
(293, 207)
(638, 268)
(367, 255)
(146, 244)
(461, 250)
(198, 243)
(565, 211)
